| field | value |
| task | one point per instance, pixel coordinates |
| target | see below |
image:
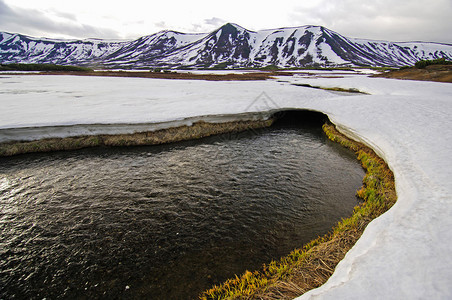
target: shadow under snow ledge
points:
(14, 141)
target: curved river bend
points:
(166, 222)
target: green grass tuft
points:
(424, 63)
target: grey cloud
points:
(64, 15)
(214, 21)
(207, 25)
(196, 28)
(161, 24)
(403, 20)
(35, 22)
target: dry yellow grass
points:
(303, 269)
(177, 75)
(439, 73)
(197, 130)
(311, 266)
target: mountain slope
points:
(228, 46)
(23, 49)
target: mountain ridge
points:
(229, 46)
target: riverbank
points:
(403, 121)
(300, 271)
(303, 269)
(197, 130)
(311, 266)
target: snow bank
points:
(44, 101)
(405, 253)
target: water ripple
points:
(166, 221)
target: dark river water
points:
(166, 222)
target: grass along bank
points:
(311, 266)
(303, 269)
(198, 130)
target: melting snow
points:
(403, 254)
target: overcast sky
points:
(393, 20)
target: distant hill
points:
(230, 46)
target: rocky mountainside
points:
(230, 46)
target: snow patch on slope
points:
(284, 47)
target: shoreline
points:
(303, 269)
(198, 129)
(404, 121)
(312, 265)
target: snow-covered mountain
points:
(229, 46)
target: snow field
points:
(405, 253)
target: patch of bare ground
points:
(179, 75)
(438, 73)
